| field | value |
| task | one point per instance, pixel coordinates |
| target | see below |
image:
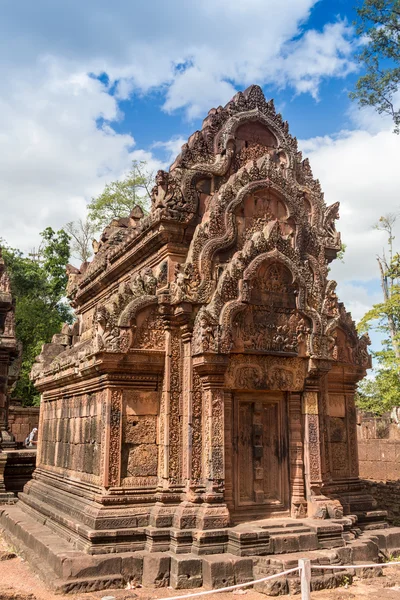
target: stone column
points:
(213, 513)
(185, 515)
(171, 437)
(315, 447)
(8, 348)
(312, 445)
(296, 451)
(5, 497)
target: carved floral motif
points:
(114, 458)
(265, 372)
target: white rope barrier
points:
(304, 568)
(388, 564)
(233, 587)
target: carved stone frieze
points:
(265, 372)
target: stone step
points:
(293, 542)
(357, 553)
(286, 530)
(60, 563)
(291, 560)
(68, 570)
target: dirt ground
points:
(18, 582)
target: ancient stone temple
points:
(203, 401)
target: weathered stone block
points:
(141, 461)
(132, 567)
(243, 570)
(156, 569)
(186, 573)
(274, 587)
(76, 565)
(140, 429)
(218, 571)
(327, 582)
(294, 542)
(364, 551)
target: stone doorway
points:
(259, 460)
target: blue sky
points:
(86, 87)
(144, 116)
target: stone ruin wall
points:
(21, 420)
(379, 459)
(71, 435)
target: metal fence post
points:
(305, 578)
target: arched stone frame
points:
(251, 368)
(232, 308)
(222, 242)
(227, 133)
(127, 319)
(216, 244)
(284, 142)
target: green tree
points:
(119, 197)
(38, 285)
(379, 27)
(383, 392)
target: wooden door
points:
(260, 448)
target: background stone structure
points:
(379, 454)
(208, 381)
(21, 420)
(10, 355)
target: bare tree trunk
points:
(386, 296)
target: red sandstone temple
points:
(203, 401)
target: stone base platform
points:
(253, 551)
(19, 468)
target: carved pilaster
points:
(40, 445)
(175, 440)
(214, 513)
(187, 406)
(312, 443)
(4, 365)
(229, 444)
(197, 430)
(297, 491)
(113, 462)
(314, 412)
(352, 435)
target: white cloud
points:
(197, 51)
(208, 76)
(171, 148)
(359, 168)
(54, 154)
(357, 298)
(315, 56)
